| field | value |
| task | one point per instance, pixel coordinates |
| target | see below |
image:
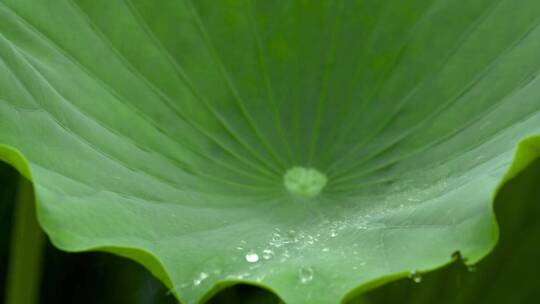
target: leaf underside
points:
(161, 131)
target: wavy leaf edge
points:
(525, 153)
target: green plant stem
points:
(27, 245)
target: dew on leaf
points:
(239, 276)
(305, 274)
(202, 276)
(415, 276)
(304, 182)
(267, 254)
(285, 256)
(362, 226)
(252, 257)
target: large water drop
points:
(252, 257)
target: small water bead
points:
(305, 182)
(202, 276)
(239, 276)
(252, 257)
(471, 268)
(415, 276)
(285, 256)
(267, 254)
(305, 274)
(241, 246)
(362, 227)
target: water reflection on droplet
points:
(305, 274)
(252, 257)
(267, 254)
(415, 276)
(202, 276)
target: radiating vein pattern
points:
(308, 146)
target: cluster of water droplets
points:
(285, 244)
(408, 193)
(282, 246)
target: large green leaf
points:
(162, 131)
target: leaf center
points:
(306, 182)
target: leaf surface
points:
(162, 131)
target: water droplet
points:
(239, 276)
(415, 276)
(305, 274)
(326, 249)
(202, 276)
(267, 254)
(252, 257)
(306, 182)
(333, 234)
(471, 268)
(285, 256)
